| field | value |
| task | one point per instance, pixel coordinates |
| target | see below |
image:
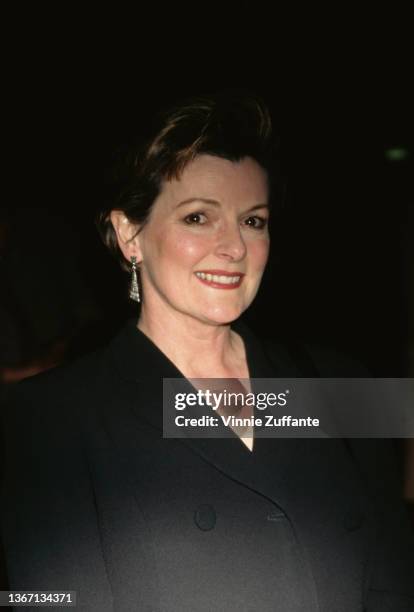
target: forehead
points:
(207, 176)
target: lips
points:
(220, 279)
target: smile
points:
(220, 281)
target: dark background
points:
(341, 273)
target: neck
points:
(188, 342)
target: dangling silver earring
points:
(134, 288)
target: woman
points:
(98, 502)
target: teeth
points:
(224, 280)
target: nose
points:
(230, 244)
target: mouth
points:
(220, 280)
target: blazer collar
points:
(138, 358)
(138, 361)
(141, 366)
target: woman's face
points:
(205, 245)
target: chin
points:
(223, 316)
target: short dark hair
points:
(231, 125)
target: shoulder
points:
(283, 356)
(67, 379)
(45, 409)
(69, 382)
(311, 360)
(332, 362)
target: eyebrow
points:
(216, 203)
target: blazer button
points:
(205, 517)
(353, 520)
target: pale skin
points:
(212, 219)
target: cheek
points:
(259, 253)
(184, 249)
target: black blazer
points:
(96, 500)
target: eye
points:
(197, 218)
(256, 222)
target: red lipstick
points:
(205, 277)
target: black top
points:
(97, 501)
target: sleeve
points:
(390, 572)
(49, 528)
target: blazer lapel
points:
(312, 481)
(276, 467)
(142, 366)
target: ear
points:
(125, 233)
